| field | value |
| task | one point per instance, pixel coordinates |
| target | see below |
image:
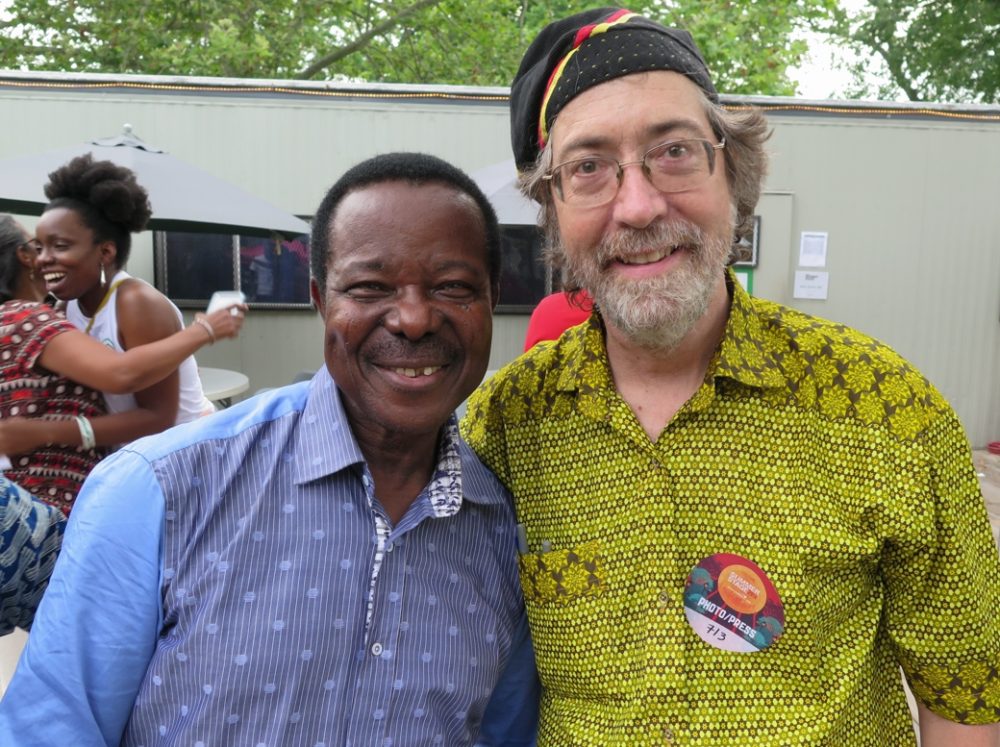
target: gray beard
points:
(656, 313)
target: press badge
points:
(732, 604)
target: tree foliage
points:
(932, 50)
(749, 45)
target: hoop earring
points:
(104, 279)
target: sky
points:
(819, 76)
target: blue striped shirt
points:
(234, 581)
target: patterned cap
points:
(585, 50)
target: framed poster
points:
(748, 247)
(524, 279)
(273, 273)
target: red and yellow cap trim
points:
(586, 32)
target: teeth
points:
(648, 257)
(53, 277)
(413, 373)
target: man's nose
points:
(413, 315)
(638, 203)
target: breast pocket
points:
(560, 576)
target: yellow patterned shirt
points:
(811, 450)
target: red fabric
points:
(52, 473)
(554, 315)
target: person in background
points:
(554, 314)
(30, 534)
(325, 563)
(53, 426)
(740, 521)
(85, 239)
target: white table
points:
(221, 385)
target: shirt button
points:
(376, 649)
(388, 547)
(664, 599)
(668, 735)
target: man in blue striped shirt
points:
(325, 564)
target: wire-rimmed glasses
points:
(32, 245)
(674, 166)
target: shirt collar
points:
(744, 354)
(316, 453)
(325, 411)
(459, 474)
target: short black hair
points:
(415, 168)
(106, 196)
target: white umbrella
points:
(183, 197)
(499, 184)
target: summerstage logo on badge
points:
(732, 604)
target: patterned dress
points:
(813, 460)
(52, 473)
(30, 534)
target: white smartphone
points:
(223, 299)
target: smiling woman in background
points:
(85, 240)
(51, 427)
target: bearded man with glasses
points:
(738, 522)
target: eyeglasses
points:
(675, 166)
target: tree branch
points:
(899, 76)
(359, 43)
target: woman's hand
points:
(226, 322)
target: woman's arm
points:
(158, 350)
(21, 435)
(83, 359)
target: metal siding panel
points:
(914, 248)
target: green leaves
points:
(934, 48)
(749, 46)
(945, 50)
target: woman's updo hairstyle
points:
(107, 197)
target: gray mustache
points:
(630, 240)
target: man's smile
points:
(414, 373)
(648, 257)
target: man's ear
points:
(318, 298)
(495, 293)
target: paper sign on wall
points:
(811, 284)
(812, 249)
